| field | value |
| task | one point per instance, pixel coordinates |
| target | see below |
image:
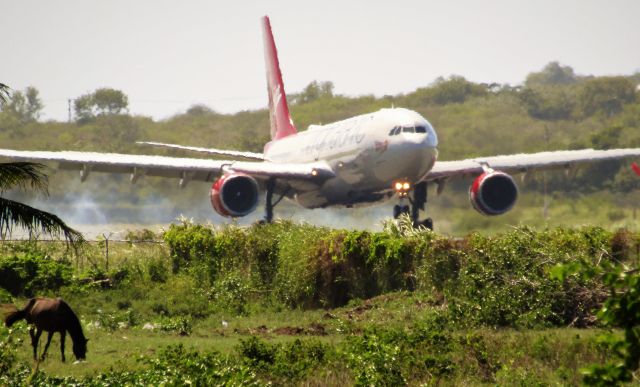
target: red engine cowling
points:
(234, 195)
(493, 193)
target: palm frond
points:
(14, 214)
(4, 93)
(22, 175)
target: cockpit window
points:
(407, 129)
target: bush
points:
(294, 360)
(503, 280)
(29, 271)
(257, 353)
(179, 325)
(374, 362)
(497, 281)
(158, 271)
(188, 243)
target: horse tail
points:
(13, 317)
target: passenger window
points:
(421, 129)
(408, 129)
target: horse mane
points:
(74, 328)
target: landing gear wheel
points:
(427, 223)
(400, 210)
(396, 211)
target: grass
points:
(550, 355)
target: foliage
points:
(257, 353)
(30, 271)
(188, 243)
(175, 365)
(24, 107)
(606, 94)
(312, 92)
(402, 306)
(290, 361)
(179, 325)
(23, 175)
(495, 281)
(4, 93)
(104, 101)
(548, 102)
(7, 353)
(552, 74)
(455, 89)
(140, 235)
(503, 281)
(619, 311)
(374, 361)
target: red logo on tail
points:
(635, 168)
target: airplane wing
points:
(185, 169)
(220, 152)
(521, 163)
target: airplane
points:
(359, 161)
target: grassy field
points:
(509, 356)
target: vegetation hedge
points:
(500, 280)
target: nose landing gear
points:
(417, 203)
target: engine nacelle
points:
(234, 195)
(493, 193)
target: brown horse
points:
(51, 315)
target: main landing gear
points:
(417, 203)
(268, 207)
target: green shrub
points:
(30, 271)
(188, 243)
(8, 355)
(180, 325)
(374, 361)
(140, 235)
(158, 271)
(290, 361)
(257, 353)
(294, 360)
(231, 293)
(503, 280)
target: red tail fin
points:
(635, 168)
(281, 122)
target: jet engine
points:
(493, 193)
(234, 195)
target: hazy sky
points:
(169, 55)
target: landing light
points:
(402, 187)
(314, 172)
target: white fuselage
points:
(366, 153)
